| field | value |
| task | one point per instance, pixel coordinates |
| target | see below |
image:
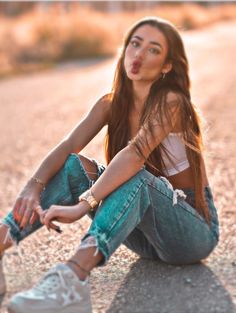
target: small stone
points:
(188, 280)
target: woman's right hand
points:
(26, 202)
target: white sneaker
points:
(2, 279)
(59, 291)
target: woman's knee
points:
(87, 166)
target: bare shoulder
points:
(174, 101)
(103, 105)
(171, 108)
(174, 98)
(90, 125)
(105, 102)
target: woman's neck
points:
(141, 91)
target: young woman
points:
(154, 194)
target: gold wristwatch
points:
(88, 197)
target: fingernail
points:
(58, 230)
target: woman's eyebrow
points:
(152, 42)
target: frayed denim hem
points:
(92, 239)
(12, 231)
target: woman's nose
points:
(139, 54)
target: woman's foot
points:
(2, 278)
(59, 291)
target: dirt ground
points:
(37, 110)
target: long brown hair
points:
(177, 81)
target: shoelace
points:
(50, 281)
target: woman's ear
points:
(167, 68)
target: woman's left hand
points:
(62, 214)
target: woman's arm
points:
(75, 141)
(128, 161)
(123, 166)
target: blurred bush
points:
(38, 39)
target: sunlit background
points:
(39, 34)
(56, 60)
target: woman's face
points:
(145, 54)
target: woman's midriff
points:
(185, 179)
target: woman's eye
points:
(134, 43)
(153, 50)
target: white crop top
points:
(175, 149)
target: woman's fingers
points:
(40, 212)
(46, 217)
(21, 211)
(38, 209)
(26, 217)
(26, 212)
(54, 227)
(33, 218)
(16, 208)
(52, 214)
(49, 216)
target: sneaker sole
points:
(89, 310)
(10, 311)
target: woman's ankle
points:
(79, 273)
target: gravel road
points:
(37, 110)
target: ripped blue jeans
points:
(145, 214)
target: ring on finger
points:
(21, 212)
(28, 211)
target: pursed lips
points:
(136, 64)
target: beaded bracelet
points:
(38, 181)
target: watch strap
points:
(89, 198)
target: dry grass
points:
(40, 39)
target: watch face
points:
(86, 196)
